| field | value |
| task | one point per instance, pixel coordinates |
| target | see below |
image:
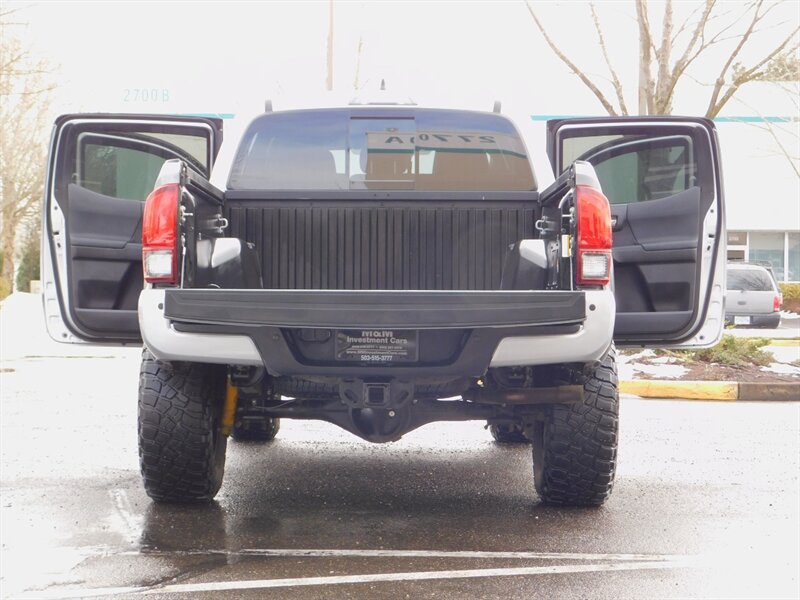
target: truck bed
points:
(401, 243)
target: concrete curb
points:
(785, 343)
(769, 391)
(711, 390)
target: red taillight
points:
(160, 235)
(594, 239)
(776, 304)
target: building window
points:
(793, 256)
(768, 247)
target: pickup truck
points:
(380, 268)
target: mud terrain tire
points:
(575, 446)
(181, 446)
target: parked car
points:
(753, 297)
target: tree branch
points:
(663, 82)
(614, 77)
(588, 82)
(356, 82)
(713, 104)
(683, 25)
(699, 31)
(750, 74)
(646, 105)
(794, 161)
(685, 60)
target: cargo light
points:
(594, 238)
(160, 235)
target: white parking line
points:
(223, 586)
(364, 553)
(130, 522)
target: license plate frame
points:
(376, 346)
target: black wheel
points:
(508, 434)
(255, 429)
(181, 446)
(575, 446)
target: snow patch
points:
(784, 354)
(782, 369)
(662, 371)
(664, 360)
(629, 358)
(649, 363)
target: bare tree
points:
(666, 56)
(24, 103)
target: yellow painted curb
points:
(688, 390)
(789, 343)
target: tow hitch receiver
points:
(358, 393)
(378, 410)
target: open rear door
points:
(662, 178)
(100, 170)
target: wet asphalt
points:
(706, 505)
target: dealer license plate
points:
(741, 320)
(377, 345)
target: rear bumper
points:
(756, 319)
(375, 309)
(254, 327)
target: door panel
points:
(105, 240)
(671, 223)
(661, 176)
(655, 261)
(101, 169)
(103, 221)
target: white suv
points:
(753, 298)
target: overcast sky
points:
(229, 57)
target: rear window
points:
(749, 280)
(344, 150)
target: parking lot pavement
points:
(705, 505)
